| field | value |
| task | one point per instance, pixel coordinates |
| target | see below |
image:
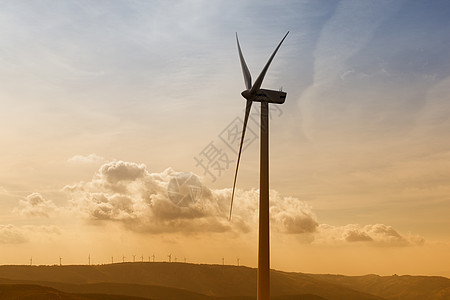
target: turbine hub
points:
(246, 94)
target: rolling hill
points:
(202, 282)
(36, 292)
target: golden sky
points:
(109, 108)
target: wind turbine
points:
(254, 93)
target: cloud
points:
(120, 171)
(356, 235)
(172, 201)
(387, 235)
(291, 215)
(376, 235)
(35, 205)
(10, 234)
(363, 90)
(42, 229)
(86, 159)
(126, 192)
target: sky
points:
(119, 124)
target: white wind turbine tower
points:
(254, 93)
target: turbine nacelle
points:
(247, 94)
(263, 95)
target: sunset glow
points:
(120, 123)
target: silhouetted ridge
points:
(191, 281)
(36, 292)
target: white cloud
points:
(42, 229)
(351, 27)
(36, 206)
(126, 192)
(356, 235)
(85, 159)
(172, 201)
(376, 235)
(291, 215)
(10, 234)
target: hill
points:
(396, 287)
(203, 282)
(36, 292)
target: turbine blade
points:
(260, 78)
(248, 106)
(245, 71)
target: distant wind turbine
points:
(254, 93)
(134, 258)
(60, 258)
(89, 260)
(153, 257)
(31, 260)
(123, 258)
(170, 257)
